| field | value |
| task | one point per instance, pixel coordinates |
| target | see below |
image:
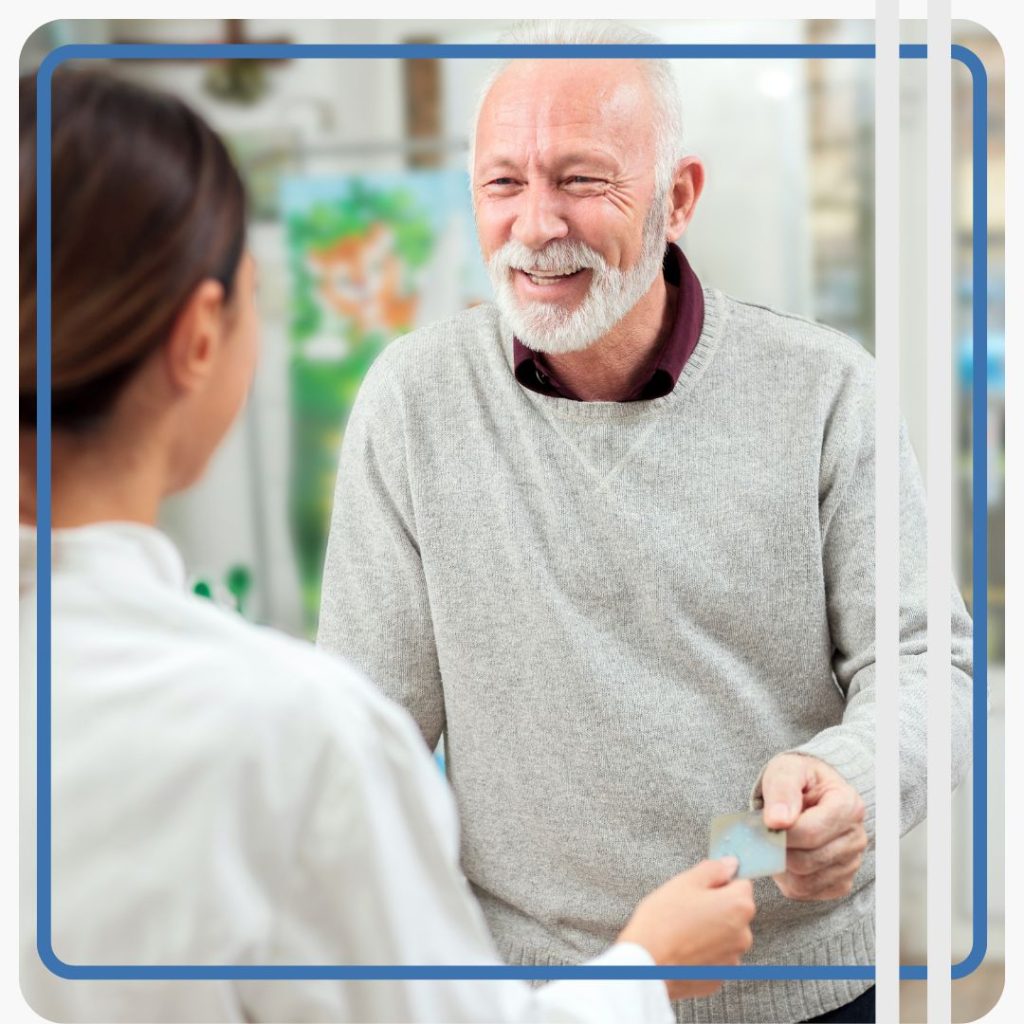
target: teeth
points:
(547, 279)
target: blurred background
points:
(362, 228)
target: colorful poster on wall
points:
(371, 258)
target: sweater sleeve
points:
(847, 509)
(375, 610)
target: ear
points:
(196, 337)
(687, 186)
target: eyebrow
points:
(584, 158)
(498, 164)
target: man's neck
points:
(614, 366)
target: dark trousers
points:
(860, 1011)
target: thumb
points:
(715, 873)
(782, 789)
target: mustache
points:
(557, 257)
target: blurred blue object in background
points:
(996, 367)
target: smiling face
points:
(566, 211)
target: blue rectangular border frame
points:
(43, 562)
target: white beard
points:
(549, 327)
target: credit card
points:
(761, 851)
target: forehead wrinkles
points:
(546, 107)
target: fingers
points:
(839, 810)
(782, 788)
(822, 868)
(743, 892)
(714, 873)
(824, 874)
(741, 910)
(845, 849)
(826, 885)
(692, 989)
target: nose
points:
(539, 219)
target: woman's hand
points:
(697, 917)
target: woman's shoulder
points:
(345, 741)
(209, 689)
(279, 683)
(263, 673)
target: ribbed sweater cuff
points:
(847, 755)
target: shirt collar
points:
(112, 547)
(534, 372)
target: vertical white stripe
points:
(887, 589)
(939, 370)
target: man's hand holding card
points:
(823, 818)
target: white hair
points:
(668, 111)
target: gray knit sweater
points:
(616, 614)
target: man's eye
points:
(503, 181)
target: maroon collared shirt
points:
(534, 372)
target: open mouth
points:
(546, 278)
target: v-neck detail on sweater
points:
(715, 316)
(579, 425)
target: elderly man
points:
(614, 539)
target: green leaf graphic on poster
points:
(371, 258)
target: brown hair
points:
(146, 204)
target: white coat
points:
(225, 795)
